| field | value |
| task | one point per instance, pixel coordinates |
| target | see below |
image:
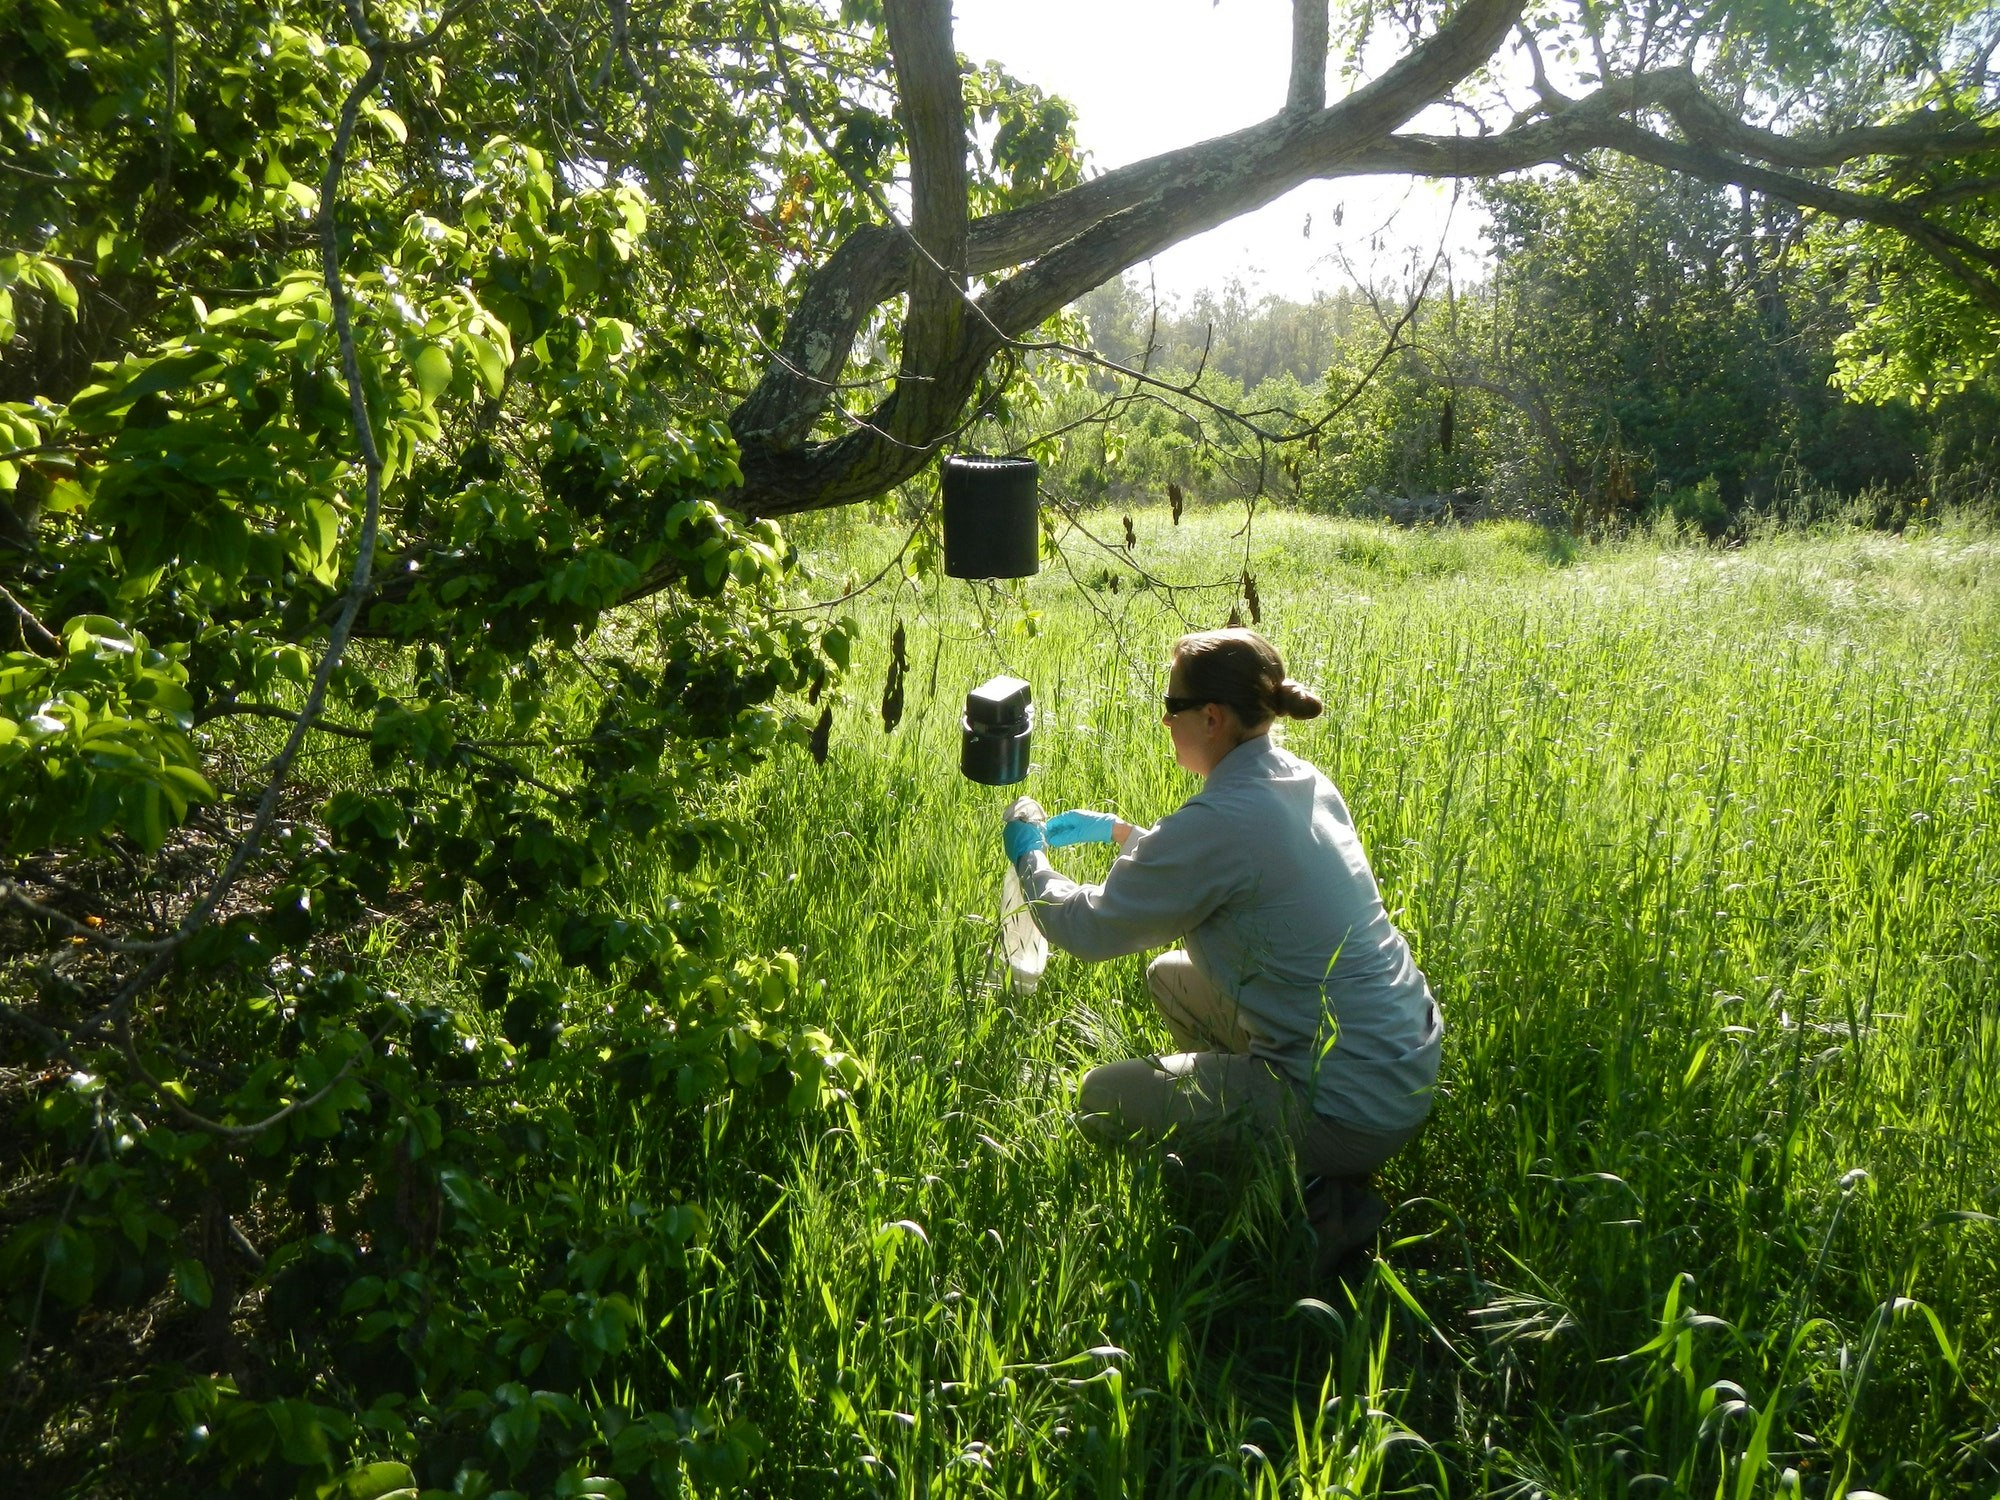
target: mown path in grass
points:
(1701, 852)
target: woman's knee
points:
(1166, 977)
(1111, 1100)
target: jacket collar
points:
(1242, 762)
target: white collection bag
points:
(1021, 941)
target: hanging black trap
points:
(995, 734)
(991, 522)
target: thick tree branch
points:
(1598, 123)
(870, 265)
(1924, 136)
(1232, 184)
(1189, 191)
(1961, 256)
(1022, 234)
(1307, 92)
(1076, 239)
(1956, 192)
(933, 115)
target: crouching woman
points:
(1302, 1020)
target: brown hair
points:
(1243, 671)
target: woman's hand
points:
(1079, 827)
(1022, 832)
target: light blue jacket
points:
(1262, 873)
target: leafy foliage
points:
(370, 589)
(373, 1211)
(1642, 344)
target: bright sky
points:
(1149, 75)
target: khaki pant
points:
(1214, 1101)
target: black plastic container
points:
(994, 736)
(991, 524)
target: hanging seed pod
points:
(1445, 426)
(1250, 598)
(1114, 583)
(1175, 500)
(1131, 536)
(822, 736)
(892, 689)
(818, 686)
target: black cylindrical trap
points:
(997, 731)
(992, 524)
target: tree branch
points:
(1958, 254)
(219, 1128)
(1599, 122)
(1307, 91)
(868, 267)
(1076, 239)
(1185, 193)
(30, 626)
(480, 750)
(932, 99)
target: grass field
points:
(1701, 853)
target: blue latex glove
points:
(1022, 832)
(1079, 827)
(1022, 837)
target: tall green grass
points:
(1699, 851)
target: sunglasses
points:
(1175, 705)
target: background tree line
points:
(1636, 342)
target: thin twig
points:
(233, 709)
(13, 894)
(200, 1121)
(856, 593)
(478, 749)
(28, 618)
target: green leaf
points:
(191, 783)
(171, 372)
(386, 1480)
(302, 1436)
(492, 366)
(322, 535)
(432, 367)
(392, 122)
(292, 664)
(472, 1196)
(191, 1281)
(50, 278)
(148, 822)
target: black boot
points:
(1344, 1215)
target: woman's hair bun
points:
(1241, 669)
(1295, 701)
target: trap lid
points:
(1001, 702)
